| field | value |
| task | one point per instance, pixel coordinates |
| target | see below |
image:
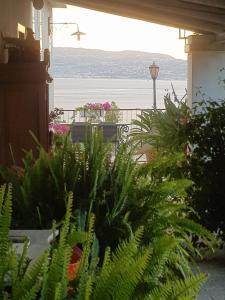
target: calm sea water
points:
(127, 93)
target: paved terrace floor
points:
(214, 289)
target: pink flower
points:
(107, 106)
(59, 128)
(98, 106)
(93, 106)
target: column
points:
(206, 68)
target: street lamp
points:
(154, 71)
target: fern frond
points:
(5, 222)
(161, 252)
(22, 262)
(58, 292)
(120, 276)
(84, 262)
(33, 292)
(179, 288)
(31, 277)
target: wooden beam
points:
(183, 4)
(210, 3)
(124, 8)
(179, 9)
(220, 37)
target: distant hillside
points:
(88, 63)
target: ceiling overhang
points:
(200, 16)
(57, 4)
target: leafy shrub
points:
(122, 194)
(113, 115)
(99, 183)
(165, 129)
(131, 272)
(206, 134)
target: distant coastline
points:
(98, 64)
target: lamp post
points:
(154, 71)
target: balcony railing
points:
(121, 116)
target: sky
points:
(114, 33)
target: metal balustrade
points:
(123, 116)
(123, 120)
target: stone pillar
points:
(47, 43)
(206, 68)
(41, 28)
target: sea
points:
(70, 93)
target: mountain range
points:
(91, 63)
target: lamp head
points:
(78, 34)
(154, 70)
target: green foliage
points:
(113, 115)
(206, 135)
(5, 220)
(136, 272)
(47, 277)
(131, 272)
(55, 277)
(16, 281)
(120, 276)
(122, 194)
(101, 185)
(179, 289)
(165, 129)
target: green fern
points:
(56, 274)
(176, 290)
(25, 284)
(119, 276)
(131, 272)
(164, 130)
(5, 222)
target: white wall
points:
(41, 32)
(206, 74)
(47, 44)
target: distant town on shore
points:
(91, 63)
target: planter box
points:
(38, 240)
(109, 132)
(80, 132)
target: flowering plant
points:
(94, 112)
(97, 106)
(58, 128)
(55, 115)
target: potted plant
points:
(94, 112)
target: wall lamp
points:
(77, 33)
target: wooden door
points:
(23, 109)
